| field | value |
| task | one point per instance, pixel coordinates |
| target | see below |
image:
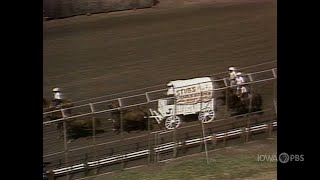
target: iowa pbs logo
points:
(284, 157)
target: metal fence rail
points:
(271, 73)
(160, 148)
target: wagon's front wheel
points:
(206, 115)
(172, 122)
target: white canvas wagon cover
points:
(191, 91)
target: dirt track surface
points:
(90, 56)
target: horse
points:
(49, 107)
(134, 118)
(82, 127)
(236, 104)
(53, 112)
(76, 127)
(252, 103)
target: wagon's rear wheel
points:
(206, 115)
(172, 122)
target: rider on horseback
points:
(57, 97)
(242, 89)
(232, 75)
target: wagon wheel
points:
(206, 115)
(170, 121)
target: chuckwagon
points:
(186, 97)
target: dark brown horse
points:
(237, 105)
(53, 112)
(82, 127)
(76, 127)
(135, 118)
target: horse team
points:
(135, 118)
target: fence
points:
(107, 152)
(67, 8)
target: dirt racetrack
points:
(90, 56)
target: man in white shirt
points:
(57, 97)
(232, 75)
(242, 89)
(239, 79)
